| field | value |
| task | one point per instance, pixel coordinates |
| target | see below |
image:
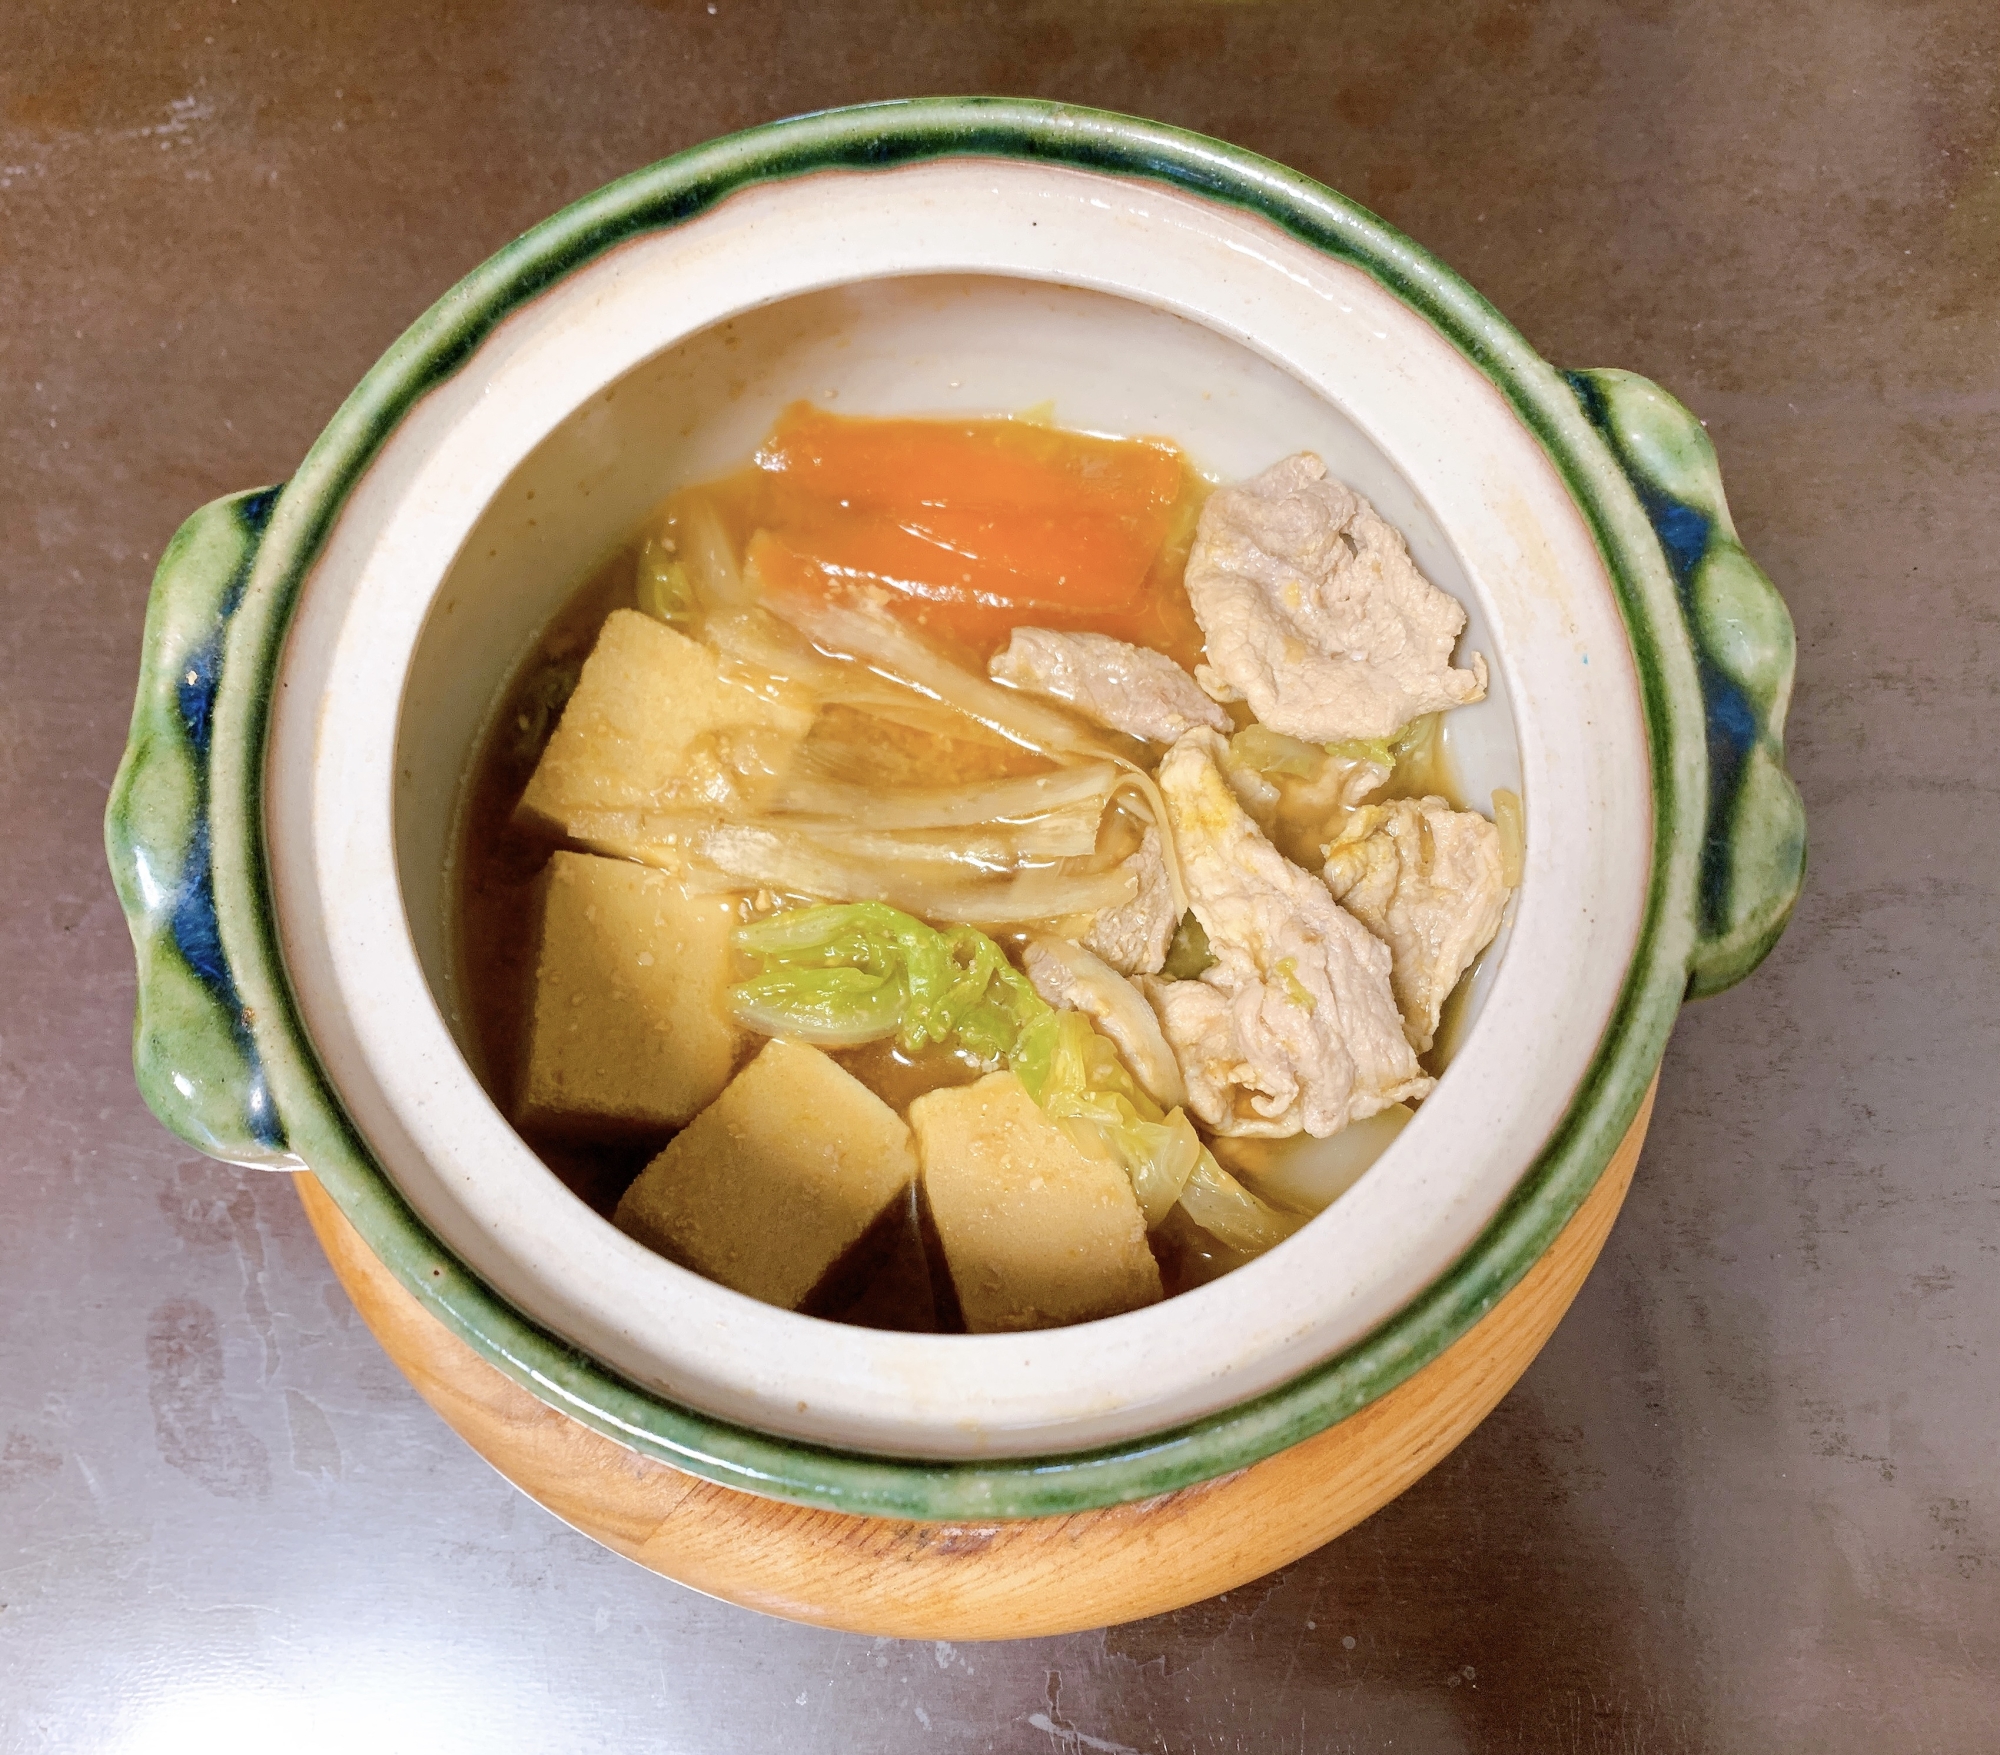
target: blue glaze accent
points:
(197, 932)
(197, 935)
(1742, 897)
(198, 1061)
(1683, 532)
(1732, 722)
(195, 694)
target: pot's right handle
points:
(193, 1048)
(1754, 855)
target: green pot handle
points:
(192, 1049)
(1753, 858)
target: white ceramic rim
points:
(1532, 563)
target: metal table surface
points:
(1747, 1498)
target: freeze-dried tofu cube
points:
(1035, 1233)
(654, 725)
(630, 1027)
(770, 1185)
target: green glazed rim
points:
(223, 1060)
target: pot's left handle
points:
(193, 1048)
(1753, 855)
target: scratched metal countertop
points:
(1748, 1499)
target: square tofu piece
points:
(653, 724)
(630, 1027)
(777, 1179)
(1036, 1234)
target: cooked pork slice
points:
(1132, 689)
(1294, 1027)
(1133, 937)
(1316, 615)
(1256, 792)
(1427, 881)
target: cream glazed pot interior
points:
(961, 285)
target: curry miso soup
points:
(967, 875)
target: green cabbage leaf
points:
(841, 974)
(1081, 1084)
(845, 973)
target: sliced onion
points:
(721, 856)
(892, 651)
(1231, 1214)
(1068, 976)
(706, 551)
(939, 807)
(1310, 1174)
